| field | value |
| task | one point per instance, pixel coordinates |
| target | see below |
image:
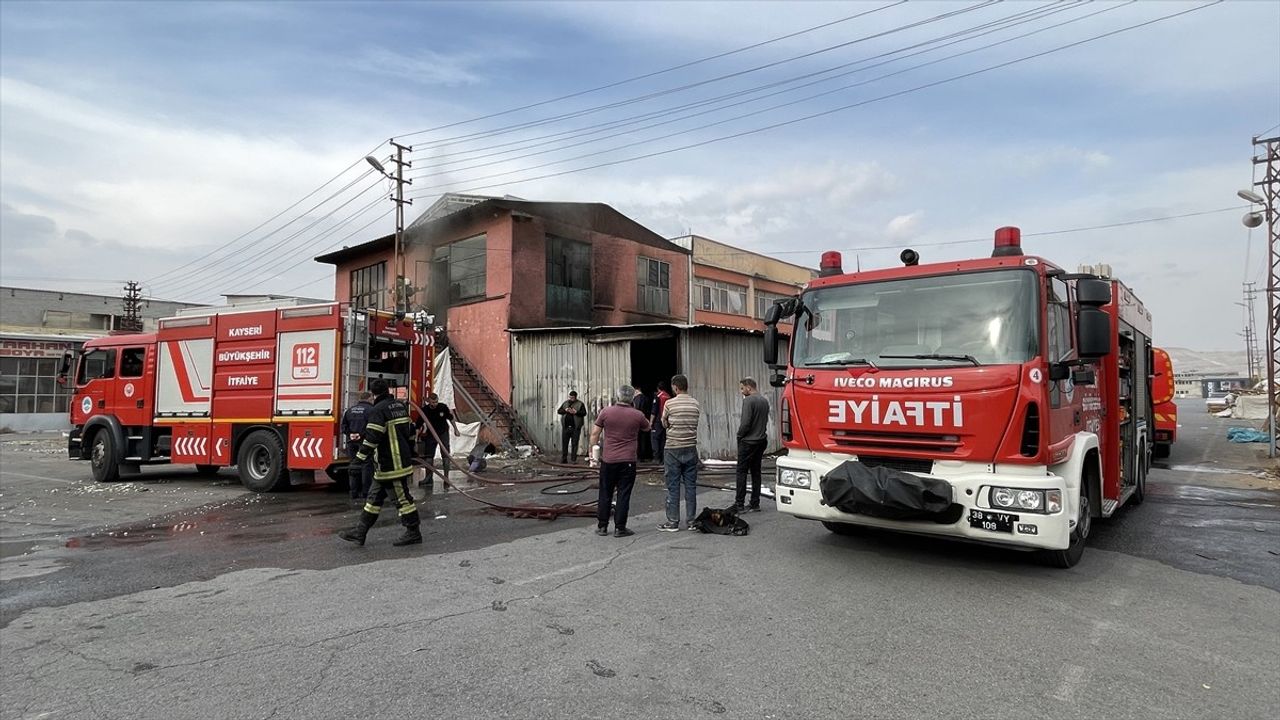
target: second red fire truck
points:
(1001, 400)
(259, 389)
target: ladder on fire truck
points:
(355, 356)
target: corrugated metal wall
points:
(714, 361)
(546, 366)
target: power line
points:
(1004, 23)
(244, 262)
(842, 108)
(270, 220)
(182, 277)
(771, 107)
(428, 145)
(1043, 233)
(655, 73)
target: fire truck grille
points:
(896, 463)
(876, 443)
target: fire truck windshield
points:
(977, 318)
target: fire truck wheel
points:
(103, 457)
(261, 462)
(1079, 536)
(1140, 492)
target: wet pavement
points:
(1212, 508)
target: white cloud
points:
(903, 227)
(426, 67)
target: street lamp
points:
(378, 166)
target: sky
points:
(188, 145)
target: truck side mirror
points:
(771, 340)
(64, 368)
(1093, 292)
(1093, 332)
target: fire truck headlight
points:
(1037, 501)
(794, 478)
(1030, 499)
(1003, 497)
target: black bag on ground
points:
(720, 522)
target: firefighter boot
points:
(412, 534)
(358, 533)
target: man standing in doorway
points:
(438, 418)
(621, 425)
(681, 417)
(659, 434)
(753, 435)
(642, 402)
(573, 415)
(359, 475)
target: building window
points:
(654, 278)
(30, 385)
(368, 286)
(568, 279)
(464, 263)
(765, 300)
(721, 297)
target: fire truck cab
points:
(1165, 409)
(999, 400)
(262, 389)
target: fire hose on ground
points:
(545, 512)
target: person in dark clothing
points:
(359, 475)
(620, 425)
(753, 435)
(573, 415)
(642, 402)
(658, 435)
(440, 418)
(388, 444)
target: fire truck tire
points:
(846, 529)
(104, 457)
(261, 462)
(1140, 491)
(1079, 536)
(207, 470)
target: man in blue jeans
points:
(680, 416)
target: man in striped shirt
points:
(680, 416)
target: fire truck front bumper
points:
(1015, 506)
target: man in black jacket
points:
(573, 415)
(388, 443)
(359, 475)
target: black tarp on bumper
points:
(886, 493)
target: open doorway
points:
(652, 361)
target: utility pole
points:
(399, 292)
(1251, 334)
(1267, 155)
(132, 307)
(402, 282)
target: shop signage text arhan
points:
(33, 348)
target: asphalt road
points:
(245, 606)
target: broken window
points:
(464, 263)
(368, 285)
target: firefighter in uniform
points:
(388, 439)
(360, 474)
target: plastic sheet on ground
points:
(1245, 435)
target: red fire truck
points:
(1000, 400)
(261, 388)
(1166, 410)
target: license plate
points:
(992, 521)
